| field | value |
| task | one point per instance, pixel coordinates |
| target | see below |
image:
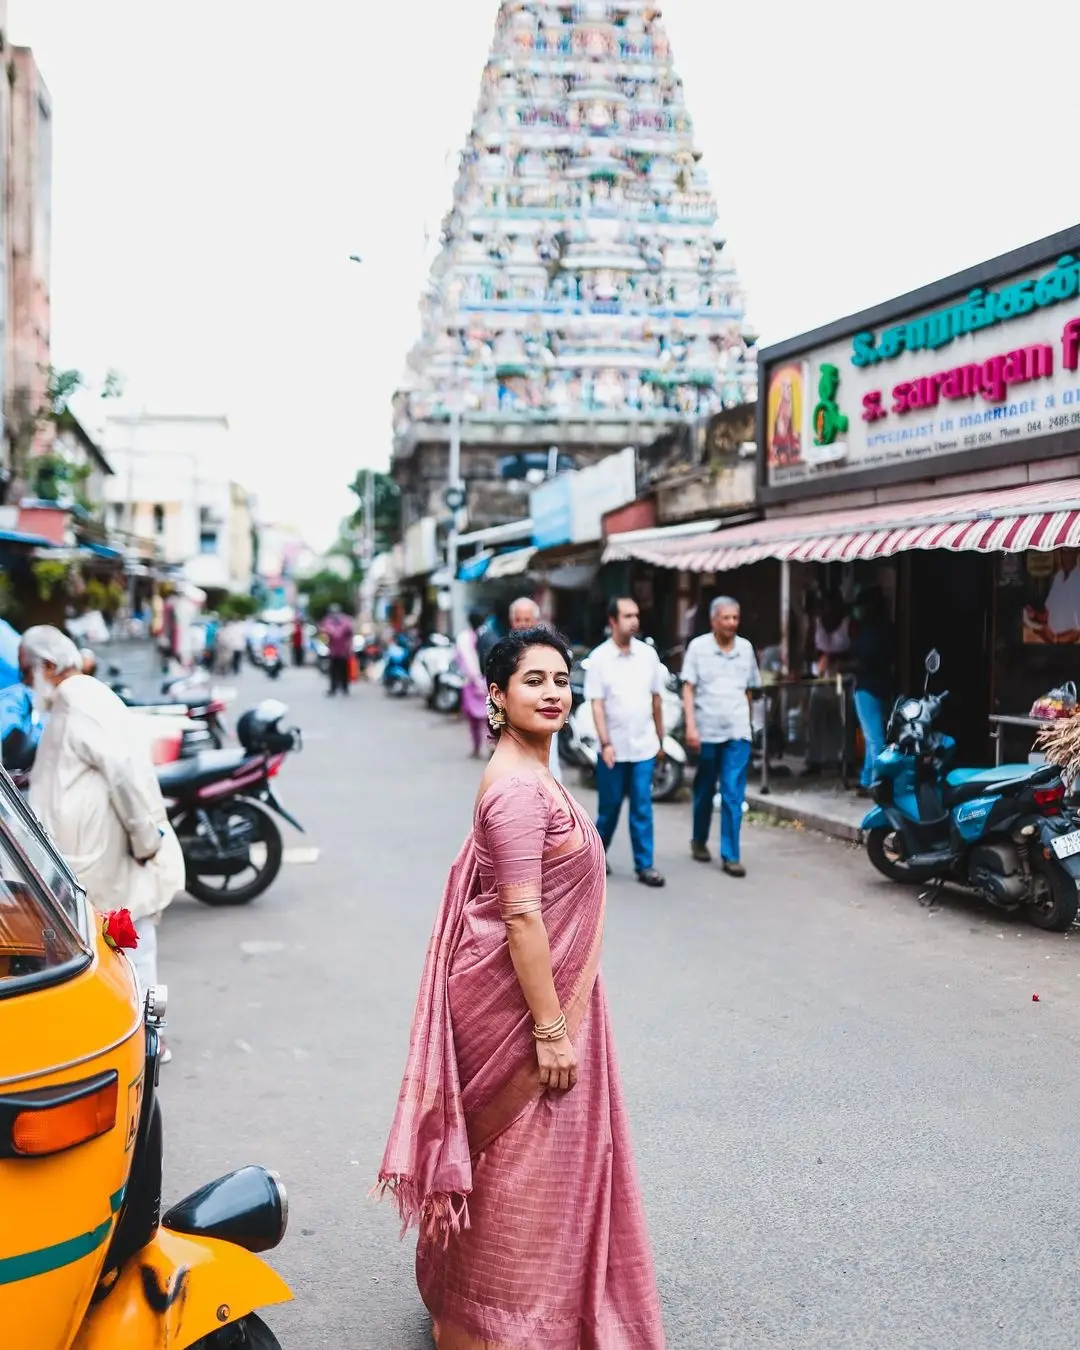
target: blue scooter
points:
(1003, 833)
(396, 663)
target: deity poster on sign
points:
(980, 369)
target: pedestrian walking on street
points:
(525, 613)
(474, 690)
(298, 641)
(719, 671)
(213, 634)
(510, 1148)
(230, 647)
(623, 681)
(338, 631)
(94, 789)
(872, 647)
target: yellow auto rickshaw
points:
(87, 1259)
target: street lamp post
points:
(369, 549)
(367, 592)
(454, 493)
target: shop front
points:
(930, 448)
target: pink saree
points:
(532, 1231)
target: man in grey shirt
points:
(719, 670)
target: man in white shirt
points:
(623, 681)
(718, 672)
(525, 613)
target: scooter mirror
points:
(933, 661)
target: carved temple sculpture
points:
(583, 275)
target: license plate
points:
(1067, 845)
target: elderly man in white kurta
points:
(94, 789)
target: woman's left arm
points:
(515, 820)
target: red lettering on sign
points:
(991, 378)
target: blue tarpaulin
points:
(9, 655)
(472, 569)
(104, 551)
(30, 540)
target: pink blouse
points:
(518, 826)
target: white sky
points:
(216, 161)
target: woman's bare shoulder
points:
(508, 786)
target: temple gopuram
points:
(582, 299)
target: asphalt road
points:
(853, 1125)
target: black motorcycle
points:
(220, 805)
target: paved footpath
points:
(854, 1127)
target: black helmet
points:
(259, 729)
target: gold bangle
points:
(553, 1031)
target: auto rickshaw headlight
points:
(249, 1208)
(50, 1120)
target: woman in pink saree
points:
(510, 1149)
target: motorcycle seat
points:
(187, 775)
(1005, 780)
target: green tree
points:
(51, 473)
(238, 606)
(387, 508)
(323, 589)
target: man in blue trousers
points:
(719, 670)
(623, 680)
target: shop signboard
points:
(570, 509)
(552, 513)
(598, 489)
(959, 377)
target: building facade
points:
(28, 226)
(242, 528)
(172, 482)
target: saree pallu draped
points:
(532, 1231)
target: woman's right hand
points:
(558, 1065)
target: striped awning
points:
(1040, 516)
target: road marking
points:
(261, 948)
(301, 857)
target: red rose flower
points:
(118, 930)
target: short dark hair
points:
(477, 618)
(616, 601)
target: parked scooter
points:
(87, 1259)
(219, 804)
(578, 742)
(446, 695)
(431, 660)
(395, 674)
(1003, 833)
